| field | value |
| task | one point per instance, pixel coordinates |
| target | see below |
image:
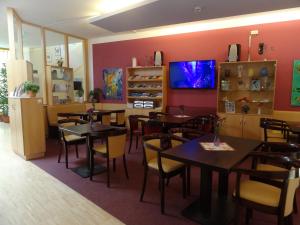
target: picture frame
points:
(255, 85)
(57, 51)
(229, 106)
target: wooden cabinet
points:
(147, 84)
(247, 87)
(240, 125)
(60, 86)
(245, 94)
(27, 127)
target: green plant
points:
(30, 86)
(80, 92)
(3, 91)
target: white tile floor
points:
(30, 196)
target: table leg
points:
(205, 189)
(223, 184)
(84, 171)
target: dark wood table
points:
(84, 115)
(212, 208)
(87, 130)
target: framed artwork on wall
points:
(295, 95)
(113, 83)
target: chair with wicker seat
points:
(120, 119)
(153, 145)
(69, 139)
(135, 129)
(113, 148)
(105, 119)
(268, 191)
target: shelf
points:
(143, 97)
(144, 89)
(238, 90)
(145, 67)
(145, 80)
(245, 102)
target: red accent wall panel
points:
(281, 43)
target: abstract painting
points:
(295, 96)
(113, 85)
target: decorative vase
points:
(216, 138)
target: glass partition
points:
(76, 61)
(55, 48)
(33, 52)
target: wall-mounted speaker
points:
(234, 52)
(158, 58)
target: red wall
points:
(281, 41)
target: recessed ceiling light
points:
(198, 9)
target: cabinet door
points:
(251, 128)
(232, 125)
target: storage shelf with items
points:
(246, 87)
(60, 85)
(147, 84)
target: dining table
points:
(88, 130)
(85, 115)
(212, 208)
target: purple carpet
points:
(122, 199)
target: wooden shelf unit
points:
(150, 80)
(246, 83)
(60, 85)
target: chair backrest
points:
(134, 121)
(151, 126)
(274, 125)
(120, 118)
(105, 119)
(116, 143)
(67, 123)
(155, 143)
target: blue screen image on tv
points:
(198, 74)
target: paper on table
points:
(210, 146)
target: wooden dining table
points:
(84, 115)
(88, 130)
(212, 208)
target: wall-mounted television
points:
(197, 74)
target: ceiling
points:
(74, 16)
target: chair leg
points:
(60, 152)
(188, 180)
(66, 155)
(289, 220)
(249, 213)
(76, 149)
(162, 195)
(144, 183)
(237, 214)
(183, 184)
(280, 220)
(108, 175)
(130, 142)
(295, 205)
(125, 166)
(91, 165)
(136, 141)
(114, 165)
(168, 181)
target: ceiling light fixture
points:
(197, 9)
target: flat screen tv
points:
(197, 74)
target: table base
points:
(84, 171)
(222, 211)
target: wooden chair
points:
(154, 115)
(120, 119)
(134, 128)
(151, 126)
(274, 130)
(186, 132)
(113, 148)
(267, 191)
(153, 145)
(68, 139)
(105, 119)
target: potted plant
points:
(31, 88)
(3, 95)
(80, 93)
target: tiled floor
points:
(28, 195)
